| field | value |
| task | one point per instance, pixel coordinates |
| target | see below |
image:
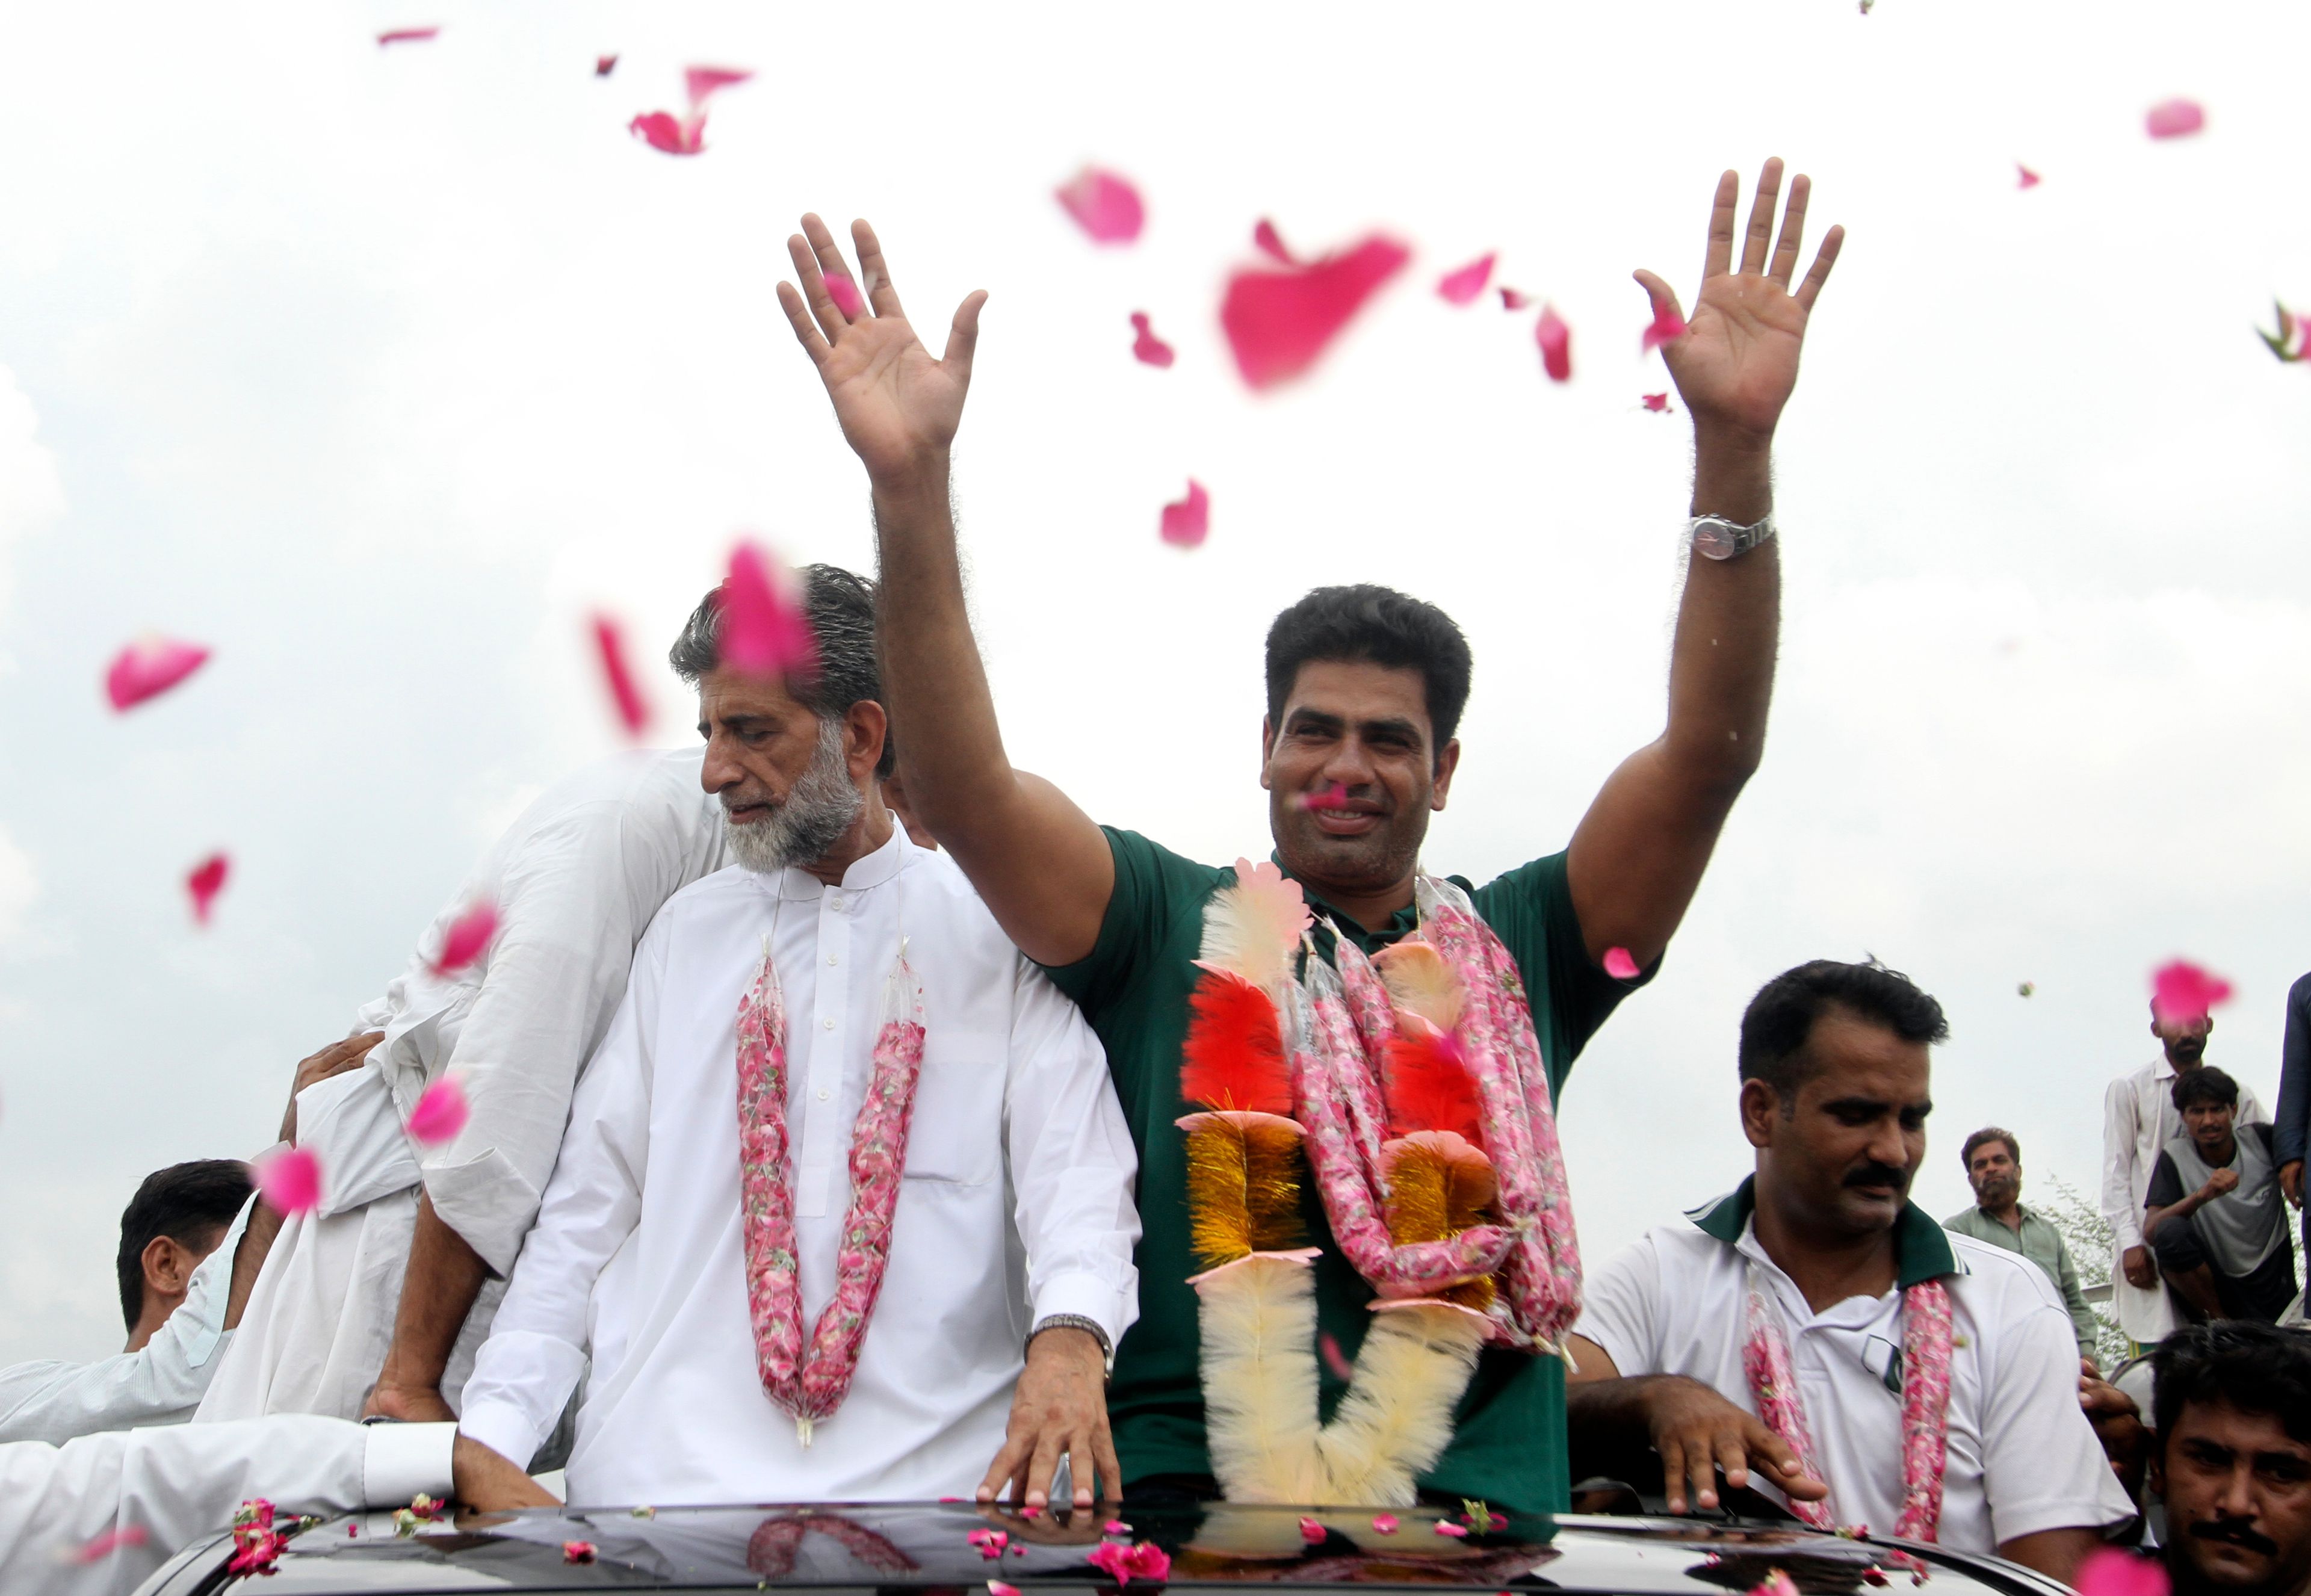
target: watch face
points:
(1713, 540)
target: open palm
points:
(897, 405)
(1737, 361)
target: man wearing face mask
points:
(2233, 1457)
(1816, 1334)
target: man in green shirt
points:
(1365, 688)
(1993, 1168)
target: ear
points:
(1761, 1106)
(1447, 762)
(2156, 1478)
(168, 1266)
(1266, 749)
(865, 727)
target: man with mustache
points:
(1816, 1334)
(1993, 1168)
(2213, 1214)
(2233, 1457)
(2139, 1119)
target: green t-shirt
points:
(1509, 1445)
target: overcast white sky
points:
(377, 370)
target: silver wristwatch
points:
(1078, 1322)
(1716, 539)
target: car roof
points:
(914, 1546)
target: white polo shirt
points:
(2022, 1457)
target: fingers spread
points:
(1719, 258)
(829, 255)
(814, 343)
(875, 274)
(1786, 248)
(1761, 216)
(1811, 289)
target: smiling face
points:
(1837, 1160)
(2238, 1502)
(1363, 728)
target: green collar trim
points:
(1921, 1248)
(1402, 923)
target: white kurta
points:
(1017, 1201)
(2137, 1120)
(159, 1384)
(575, 880)
(176, 1483)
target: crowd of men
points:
(821, 1139)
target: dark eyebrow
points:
(1391, 726)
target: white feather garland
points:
(1253, 928)
(1397, 1418)
(1259, 1323)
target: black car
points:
(958, 1548)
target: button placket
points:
(822, 1143)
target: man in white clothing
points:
(2139, 1120)
(1818, 1307)
(376, 1301)
(804, 1254)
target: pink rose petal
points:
(1447, 1527)
(1147, 347)
(1385, 1522)
(1150, 1562)
(1658, 403)
(1619, 965)
(1463, 286)
(576, 1551)
(289, 1180)
(2182, 992)
(845, 294)
(1555, 341)
(1511, 300)
(206, 881)
(1112, 1558)
(439, 1115)
(2174, 118)
(662, 131)
(405, 36)
(2030, 179)
(1327, 1346)
(1031, 1511)
(702, 84)
(633, 709)
(1103, 205)
(605, 64)
(1666, 328)
(1115, 1527)
(1280, 322)
(1270, 243)
(112, 1540)
(996, 1587)
(2107, 1571)
(467, 936)
(1777, 1583)
(149, 667)
(1187, 522)
(765, 631)
(1311, 1532)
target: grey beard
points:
(818, 809)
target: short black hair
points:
(1989, 1133)
(840, 606)
(186, 1202)
(2206, 1084)
(1372, 625)
(1781, 1016)
(2256, 1368)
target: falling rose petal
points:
(1555, 341)
(1511, 300)
(1385, 1522)
(764, 633)
(845, 294)
(1187, 522)
(1147, 347)
(465, 938)
(2030, 179)
(2174, 118)
(1311, 1532)
(576, 1551)
(1619, 965)
(149, 667)
(1463, 286)
(405, 36)
(702, 82)
(1278, 322)
(1447, 1527)
(1328, 1346)
(1658, 403)
(112, 1540)
(205, 882)
(2109, 1572)
(604, 65)
(1666, 328)
(2182, 992)
(2293, 338)
(439, 1115)
(1335, 796)
(661, 130)
(289, 1181)
(1270, 243)
(633, 709)
(1103, 205)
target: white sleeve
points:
(535, 1352)
(573, 902)
(2043, 1467)
(160, 1488)
(2118, 1132)
(1072, 1164)
(1618, 1308)
(161, 1382)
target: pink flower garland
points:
(1925, 1402)
(812, 1385)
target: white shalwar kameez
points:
(576, 881)
(1016, 1201)
(158, 1489)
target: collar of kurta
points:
(1402, 923)
(877, 868)
(1921, 1248)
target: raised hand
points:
(1737, 361)
(899, 408)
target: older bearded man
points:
(833, 1082)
